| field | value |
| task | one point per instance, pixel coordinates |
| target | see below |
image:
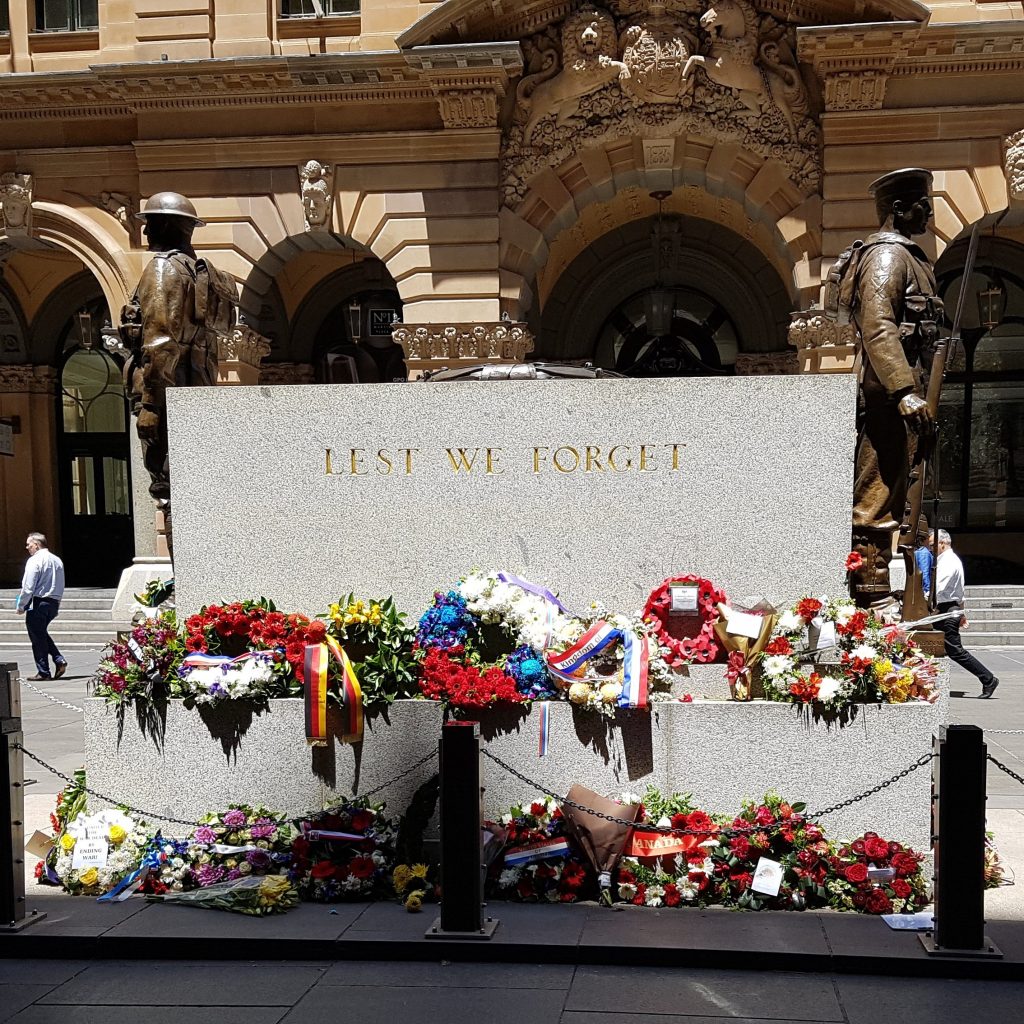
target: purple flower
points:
(233, 874)
(267, 831)
(259, 859)
(208, 874)
(205, 834)
(235, 818)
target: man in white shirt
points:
(949, 594)
(42, 587)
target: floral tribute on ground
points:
(240, 841)
(834, 654)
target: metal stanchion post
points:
(462, 876)
(959, 845)
(12, 805)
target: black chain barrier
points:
(398, 778)
(923, 760)
(1009, 771)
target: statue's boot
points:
(870, 586)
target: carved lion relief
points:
(659, 69)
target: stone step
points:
(972, 638)
(994, 591)
(994, 625)
(995, 603)
(94, 616)
(975, 612)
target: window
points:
(5, 20)
(318, 8)
(67, 15)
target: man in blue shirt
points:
(924, 555)
(42, 587)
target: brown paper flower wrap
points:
(603, 842)
(744, 652)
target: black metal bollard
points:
(958, 817)
(462, 878)
(12, 804)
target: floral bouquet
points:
(251, 895)
(600, 683)
(239, 842)
(877, 876)
(537, 862)
(669, 869)
(137, 665)
(412, 885)
(97, 851)
(343, 853)
(462, 658)
(71, 802)
(379, 641)
(744, 632)
(873, 661)
(170, 870)
(777, 831)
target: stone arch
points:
(598, 189)
(49, 321)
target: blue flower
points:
(527, 668)
(446, 623)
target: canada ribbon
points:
(657, 844)
(596, 639)
(317, 665)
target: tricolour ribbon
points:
(544, 850)
(317, 665)
(544, 734)
(566, 664)
(199, 659)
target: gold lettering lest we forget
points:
(563, 460)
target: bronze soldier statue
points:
(171, 326)
(897, 312)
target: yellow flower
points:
(882, 668)
(419, 871)
(610, 692)
(89, 877)
(117, 835)
(67, 843)
(273, 889)
(375, 617)
(414, 904)
(401, 877)
(579, 693)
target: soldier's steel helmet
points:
(170, 204)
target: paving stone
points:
(772, 996)
(451, 975)
(571, 1017)
(40, 1014)
(425, 1005)
(929, 1000)
(39, 972)
(76, 915)
(186, 984)
(16, 997)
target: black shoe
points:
(989, 688)
(38, 678)
(62, 667)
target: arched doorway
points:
(666, 296)
(94, 471)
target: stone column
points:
(239, 356)
(451, 346)
(822, 345)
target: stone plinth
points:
(721, 752)
(598, 489)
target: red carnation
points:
(854, 561)
(877, 849)
(808, 608)
(878, 903)
(780, 645)
(672, 896)
(537, 809)
(764, 816)
(573, 875)
(362, 867)
(856, 873)
(905, 864)
(701, 822)
(740, 846)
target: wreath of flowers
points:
(240, 841)
(330, 869)
(877, 662)
(559, 878)
(125, 676)
(126, 839)
(686, 650)
(878, 876)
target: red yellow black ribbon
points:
(317, 665)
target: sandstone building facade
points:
(655, 187)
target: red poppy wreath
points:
(701, 648)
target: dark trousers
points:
(955, 646)
(37, 621)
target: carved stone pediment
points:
(722, 71)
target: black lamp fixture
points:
(355, 319)
(660, 300)
(85, 329)
(992, 300)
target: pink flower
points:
(205, 834)
(235, 819)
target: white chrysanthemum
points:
(790, 622)
(777, 665)
(509, 877)
(655, 896)
(865, 651)
(474, 587)
(687, 888)
(664, 821)
(626, 890)
(829, 687)
(845, 612)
